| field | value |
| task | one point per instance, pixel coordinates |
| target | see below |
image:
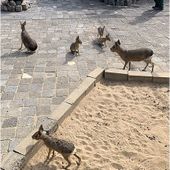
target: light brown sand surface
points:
(116, 126)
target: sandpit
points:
(116, 126)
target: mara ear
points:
(24, 23)
(108, 34)
(118, 42)
(20, 22)
(103, 27)
(41, 128)
(77, 38)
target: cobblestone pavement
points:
(33, 85)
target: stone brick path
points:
(33, 85)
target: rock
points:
(18, 2)
(11, 8)
(18, 8)
(24, 7)
(12, 3)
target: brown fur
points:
(74, 47)
(141, 54)
(101, 31)
(102, 41)
(65, 148)
(28, 42)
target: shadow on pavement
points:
(146, 16)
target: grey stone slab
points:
(62, 92)
(23, 131)
(62, 82)
(58, 100)
(10, 89)
(5, 146)
(7, 96)
(13, 143)
(26, 121)
(43, 110)
(29, 111)
(48, 93)
(29, 102)
(10, 122)
(8, 133)
(23, 88)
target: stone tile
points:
(62, 92)
(58, 100)
(10, 89)
(13, 143)
(7, 96)
(22, 132)
(49, 93)
(10, 122)
(43, 110)
(8, 133)
(23, 88)
(29, 111)
(21, 95)
(26, 121)
(5, 146)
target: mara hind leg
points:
(126, 62)
(48, 156)
(129, 65)
(21, 46)
(66, 157)
(79, 159)
(147, 63)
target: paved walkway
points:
(33, 85)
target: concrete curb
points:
(124, 75)
(28, 147)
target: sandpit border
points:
(28, 147)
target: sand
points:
(116, 126)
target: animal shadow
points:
(40, 166)
(97, 46)
(69, 57)
(146, 16)
(17, 54)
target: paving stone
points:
(13, 82)
(25, 81)
(23, 131)
(13, 143)
(29, 111)
(29, 102)
(10, 89)
(62, 92)
(43, 110)
(62, 82)
(5, 145)
(8, 133)
(7, 96)
(37, 80)
(49, 93)
(26, 121)
(58, 100)
(21, 95)
(10, 122)
(23, 88)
